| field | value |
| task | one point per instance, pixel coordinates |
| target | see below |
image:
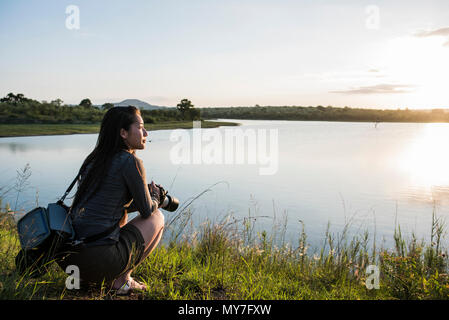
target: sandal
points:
(129, 286)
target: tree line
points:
(18, 109)
(329, 113)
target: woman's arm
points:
(135, 178)
(124, 219)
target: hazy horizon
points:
(360, 54)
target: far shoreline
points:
(29, 130)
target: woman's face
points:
(135, 137)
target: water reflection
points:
(427, 156)
(425, 161)
(17, 145)
(14, 147)
(434, 195)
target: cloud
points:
(379, 88)
(354, 75)
(441, 32)
(436, 32)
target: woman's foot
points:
(128, 286)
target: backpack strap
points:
(95, 237)
(61, 201)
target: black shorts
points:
(108, 262)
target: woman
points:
(112, 183)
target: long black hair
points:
(109, 142)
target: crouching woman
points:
(112, 183)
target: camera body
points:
(167, 202)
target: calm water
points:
(327, 172)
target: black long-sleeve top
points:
(124, 187)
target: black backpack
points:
(46, 235)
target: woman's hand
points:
(155, 192)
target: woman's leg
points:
(151, 229)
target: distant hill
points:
(138, 104)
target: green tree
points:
(86, 103)
(12, 98)
(58, 102)
(185, 106)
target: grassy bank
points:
(228, 260)
(17, 130)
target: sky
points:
(355, 53)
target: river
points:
(368, 175)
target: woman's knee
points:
(154, 222)
(150, 227)
(159, 219)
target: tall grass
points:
(231, 258)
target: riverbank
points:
(228, 260)
(20, 130)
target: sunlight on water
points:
(425, 161)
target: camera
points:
(170, 203)
(167, 202)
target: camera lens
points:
(172, 205)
